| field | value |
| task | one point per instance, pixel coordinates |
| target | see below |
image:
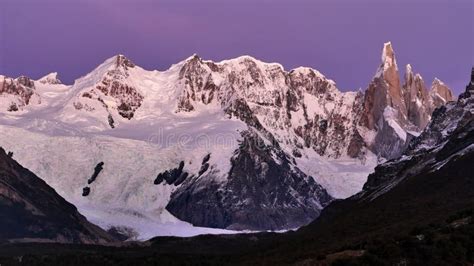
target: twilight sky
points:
(340, 38)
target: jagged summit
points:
(388, 56)
(440, 93)
(437, 81)
(398, 112)
(193, 57)
(121, 60)
(17, 93)
(117, 61)
(409, 75)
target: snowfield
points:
(124, 193)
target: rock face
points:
(421, 189)
(262, 181)
(17, 92)
(295, 111)
(440, 93)
(417, 100)
(449, 134)
(31, 211)
(302, 108)
(111, 92)
(396, 112)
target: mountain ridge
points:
(314, 133)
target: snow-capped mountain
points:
(237, 144)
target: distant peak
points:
(441, 90)
(409, 75)
(121, 60)
(25, 81)
(51, 78)
(437, 81)
(388, 55)
(194, 57)
(388, 60)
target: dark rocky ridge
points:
(174, 176)
(30, 210)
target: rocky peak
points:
(20, 92)
(440, 93)
(311, 80)
(122, 61)
(25, 81)
(51, 78)
(448, 136)
(416, 99)
(388, 57)
(409, 75)
(390, 109)
(197, 83)
(112, 90)
(384, 90)
(391, 76)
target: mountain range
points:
(415, 209)
(233, 145)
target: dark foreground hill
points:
(30, 210)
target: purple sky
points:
(341, 38)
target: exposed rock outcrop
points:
(112, 93)
(449, 134)
(398, 113)
(262, 181)
(440, 94)
(18, 93)
(416, 99)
